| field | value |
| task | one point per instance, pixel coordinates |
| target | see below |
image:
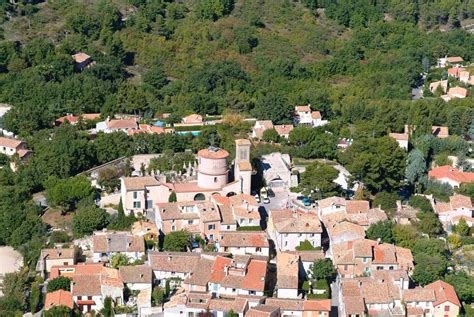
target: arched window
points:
(199, 196)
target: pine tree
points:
(453, 20)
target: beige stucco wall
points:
(439, 311)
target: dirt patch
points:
(56, 219)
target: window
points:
(211, 227)
(242, 221)
(258, 249)
(252, 292)
(390, 268)
(365, 260)
(173, 228)
(149, 204)
(311, 235)
(379, 268)
(135, 195)
(190, 222)
(228, 227)
(286, 243)
(345, 267)
(446, 308)
(173, 273)
(137, 204)
(211, 236)
(234, 290)
(299, 235)
(215, 179)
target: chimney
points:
(226, 270)
(379, 241)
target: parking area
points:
(279, 201)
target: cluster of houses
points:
(302, 115)
(251, 273)
(403, 138)
(457, 71)
(373, 277)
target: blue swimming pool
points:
(193, 133)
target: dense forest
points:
(356, 61)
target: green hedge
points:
(190, 128)
(318, 296)
(249, 228)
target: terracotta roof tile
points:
(460, 201)
(399, 136)
(297, 223)
(202, 272)
(452, 173)
(262, 310)
(357, 206)
(244, 239)
(305, 108)
(136, 274)
(444, 293)
(122, 124)
(316, 115)
(217, 272)
(80, 57)
(58, 253)
(213, 154)
(182, 262)
(440, 132)
(419, 295)
(254, 280)
(455, 59)
(58, 298)
(287, 270)
(139, 183)
(284, 129)
(10, 143)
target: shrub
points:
(249, 228)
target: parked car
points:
(266, 200)
(257, 198)
(306, 201)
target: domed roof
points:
(213, 153)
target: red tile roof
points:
(306, 108)
(283, 129)
(316, 115)
(10, 143)
(451, 173)
(255, 277)
(444, 293)
(218, 272)
(317, 305)
(122, 124)
(80, 57)
(455, 59)
(399, 136)
(210, 154)
(440, 132)
(58, 298)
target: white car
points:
(257, 198)
(266, 200)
